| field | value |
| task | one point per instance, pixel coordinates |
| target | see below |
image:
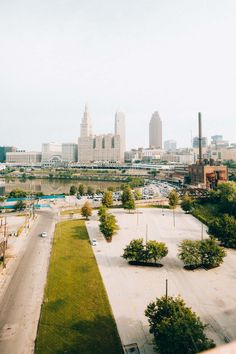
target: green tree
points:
(102, 212)
(90, 190)
(187, 203)
(86, 210)
(17, 193)
(227, 191)
(81, 189)
(108, 226)
(173, 199)
(137, 194)
(73, 190)
(189, 253)
(212, 254)
(224, 229)
(20, 205)
(155, 250)
(134, 251)
(128, 199)
(107, 199)
(176, 328)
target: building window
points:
(94, 143)
(113, 142)
(103, 143)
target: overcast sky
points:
(174, 56)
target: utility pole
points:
(146, 233)
(202, 232)
(5, 243)
(174, 216)
(166, 289)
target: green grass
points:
(76, 316)
(71, 211)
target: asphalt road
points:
(21, 302)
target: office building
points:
(69, 152)
(24, 157)
(196, 142)
(4, 150)
(155, 131)
(51, 151)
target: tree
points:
(187, 203)
(90, 190)
(108, 226)
(137, 194)
(128, 199)
(212, 254)
(86, 210)
(206, 253)
(20, 205)
(107, 199)
(155, 250)
(176, 328)
(224, 229)
(173, 199)
(17, 193)
(81, 189)
(189, 253)
(134, 251)
(227, 191)
(73, 190)
(102, 212)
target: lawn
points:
(76, 316)
(71, 211)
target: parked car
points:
(44, 234)
(94, 242)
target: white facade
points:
(23, 157)
(69, 152)
(91, 148)
(51, 150)
(120, 130)
(155, 131)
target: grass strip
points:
(76, 316)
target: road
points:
(21, 302)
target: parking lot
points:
(211, 294)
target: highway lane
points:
(21, 302)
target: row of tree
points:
(108, 224)
(151, 252)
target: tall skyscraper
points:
(155, 131)
(120, 130)
(86, 125)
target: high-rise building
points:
(170, 145)
(69, 152)
(86, 125)
(155, 131)
(215, 139)
(120, 130)
(104, 147)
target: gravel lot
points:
(211, 293)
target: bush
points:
(206, 253)
(176, 329)
(224, 229)
(151, 252)
(108, 225)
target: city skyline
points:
(174, 57)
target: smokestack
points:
(200, 137)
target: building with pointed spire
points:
(155, 131)
(100, 148)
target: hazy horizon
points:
(177, 58)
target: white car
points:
(44, 234)
(94, 242)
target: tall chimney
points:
(200, 137)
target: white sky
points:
(174, 56)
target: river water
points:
(47, 186)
